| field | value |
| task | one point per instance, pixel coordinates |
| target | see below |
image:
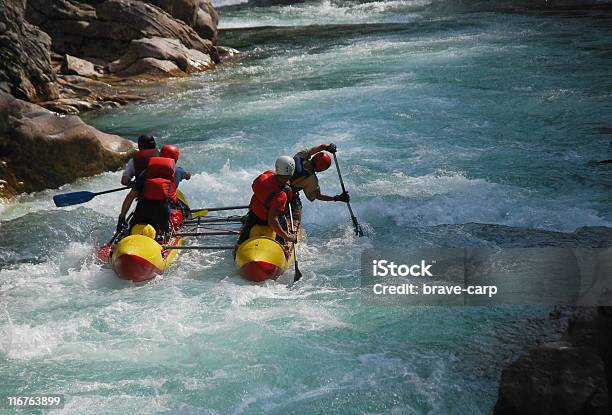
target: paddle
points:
(76, 198)
(199, 214)
(220, 208)
(298, 274)
(356, 225)
(198, 247)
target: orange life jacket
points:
(159, 180)
(265, 187)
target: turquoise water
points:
(457, 125)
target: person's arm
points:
(325, 198)
(342, 197)
(128, 173)
(314, 150)
(181, 175)
(276, 226)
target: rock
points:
(592, 327)
(44, 150)
(560, 4)
(226, 52)
(26, 75)
(185, 10)
(77, 66)
(207, 21)
(153, 67)
(104, 29)
(77, 104)
(556, 378)
(187, 60)
(198, 14)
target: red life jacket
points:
(141, 159)
(159, 180)
(265, 187)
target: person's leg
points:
(160, 215)
(296, 203)
(296, 209)
(139, 215)
(250, 220)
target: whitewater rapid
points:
(470, 128)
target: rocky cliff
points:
(70, 56)
(28, 75)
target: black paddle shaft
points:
(358, 229)
(297, 274)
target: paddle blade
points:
(199, 214)
(69, 199)
(298, 273)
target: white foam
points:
(324, 12)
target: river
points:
(457, 123)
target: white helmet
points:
(285, 166)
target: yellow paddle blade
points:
(180, 196)
(199, 214)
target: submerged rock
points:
(573, 376)
(40, 149)
(227, 52)
(556, 378)
(560, 4)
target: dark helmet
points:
(146, 142)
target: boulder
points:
(161, 49)
(28, 75)
(104, 29)
(592, 327)
(185, 10)
(77, 66)
(152, 67)
(198, 14)
(40, 149)
(557, 379)
(207, 21)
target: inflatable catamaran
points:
(262, 256)
(139, 256)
